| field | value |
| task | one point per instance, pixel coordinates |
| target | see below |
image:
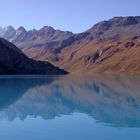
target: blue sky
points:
(73, 15)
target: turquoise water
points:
(99, 107)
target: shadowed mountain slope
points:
(13, 61)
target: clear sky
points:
(73, 15)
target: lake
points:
(78, 107)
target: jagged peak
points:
(47, 28)
(22, 29)
(8, 28)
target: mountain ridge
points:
(97, 49)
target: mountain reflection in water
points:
(112, 100)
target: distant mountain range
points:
(111, 46)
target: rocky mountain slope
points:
(111, 46)
(13, 61)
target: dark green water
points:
(96, 107)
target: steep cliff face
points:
(13, 61)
